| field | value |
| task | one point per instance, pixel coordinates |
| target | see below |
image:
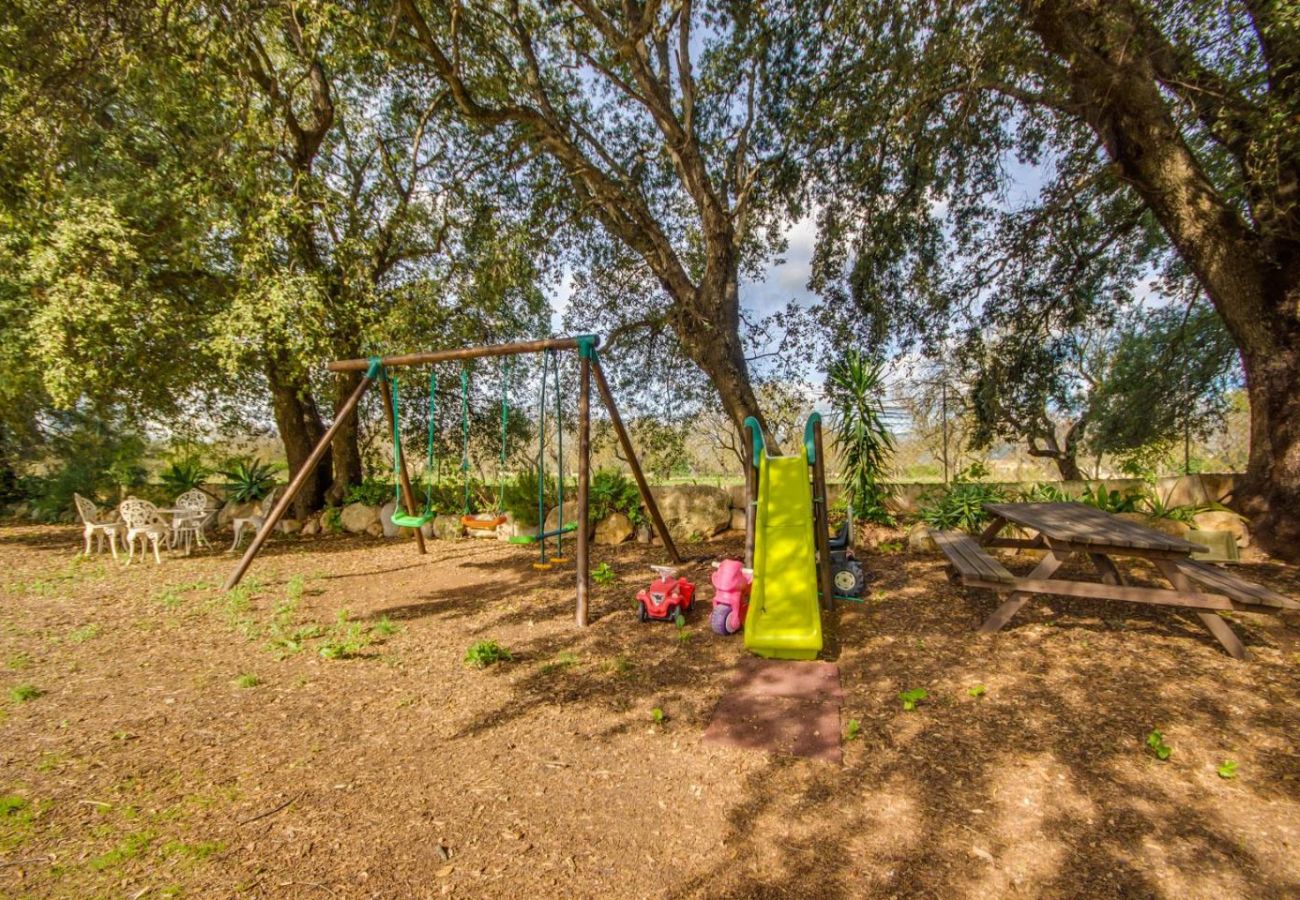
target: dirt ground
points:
(160, 738)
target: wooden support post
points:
(1212, 621)
(584, 485)
(821, 518)
(408, 496)
(296, 484)
(751, 493)
(647, 498)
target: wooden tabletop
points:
(1078, 523)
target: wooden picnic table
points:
(1062, 530)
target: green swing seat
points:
(400, 517)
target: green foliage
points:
(332, 519)
(248, 479)
(961, 505)
(603, 574)
(95, 454)
(1227, 769)
(854, 387)
(247, 680)
(520, 497)
(890, 548)
(385, 627)
(372, 492)
(1044, 493)
(84, 633)
(853, 730)
(977, 690)
(183, 475)
(657, 715)
(912, 697)
(1111, 501)
(1156, 741)
(23, 692)
(482, 654)
(612, 492)
(345, 640)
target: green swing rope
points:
(399, 517)
(464, 425)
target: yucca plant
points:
(854, 386)
(249, 479)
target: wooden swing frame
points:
(589, 370)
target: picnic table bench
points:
(1062, 530)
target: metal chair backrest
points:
(137, 513)
(193, 500)
(88, 511)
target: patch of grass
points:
(890, 547)
(603, 574)
(195, 852)
(24, 692)
(346, 639)
(977, 690)
(482, 654)
(1156, 741)
(562, 660)
(657, 715)
(84, 633)
(385, 627)
(129, 848)
(621, 665)
(50, 761)
(247, 680)
(853, 730)
(18, 662)
(1227, 769)
(913, 697)
(683, 633)
(16, 818)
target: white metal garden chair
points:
(254, 521)
(193, 513)
(143, 521)
(98, 525)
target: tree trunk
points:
(300, 426)
(1253, 280)
(345, 447)
(1271, 495)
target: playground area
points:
(318, 733)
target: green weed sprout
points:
(482, 654)
(1156, 741)
(912, 698)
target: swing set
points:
(410, 514)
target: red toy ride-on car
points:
(666, 597)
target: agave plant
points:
(183, 475)
(854, 386)
(249, 479)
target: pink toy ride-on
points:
(666, 597)
(731, 582)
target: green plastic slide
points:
(784, 620)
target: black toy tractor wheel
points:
(641, 612)
(848, 578)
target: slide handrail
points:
(808, 442)
(756, 435)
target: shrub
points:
(520, 497)
(248, 479)
(962, 504)
(482, 654)
(183, 475)
(854, 385)
(1110, 501)
(613, 492)
(372, 492)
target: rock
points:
(1164, 526)
(375, 530)
(614, 529)
(570, 516)
(311, 527)
(1224, 520)
(919, 540)
(693, 509)
(737, 494)
(644, 535)
(737, 519)
(290, 526)
(427, 530)
(447, 528)
(21, 510)
(232, 510)
(357, 518)
(386, 519)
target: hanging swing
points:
(549, 360)
(482, 524)
(400, 517)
